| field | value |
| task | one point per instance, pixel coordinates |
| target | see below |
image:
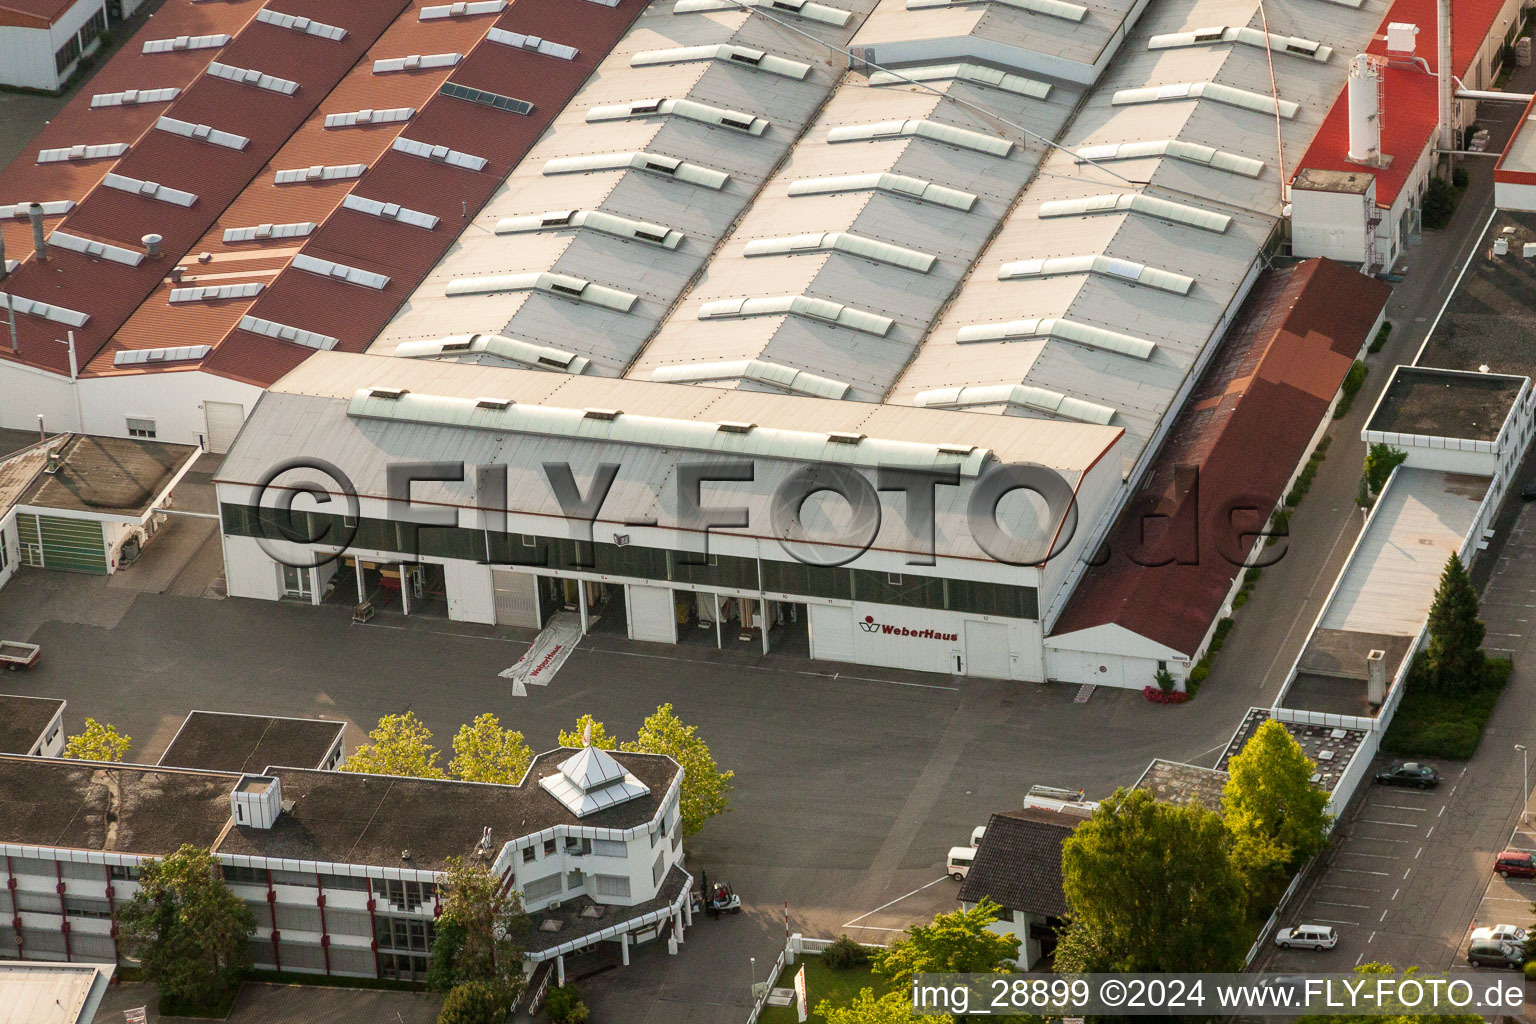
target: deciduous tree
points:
(706, 789)
(1401, 1018)
(480, 932)
(1380, 461)
(474, 1002)
(1273, 812)
(1155, 885)
(954, 943)
(1454, 658)
(99, 742)
(485, 752)
(400, 745)
(190, 934)
(867, 1008)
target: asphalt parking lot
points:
(1506, 900)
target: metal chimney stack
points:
(152, 245)
(39, 239)
(1364, 110)
(1445, 73)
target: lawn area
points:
(1430, 723)
(823, 983)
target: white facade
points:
(29, 55)
(1332, 223)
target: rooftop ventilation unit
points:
(1065, 330)
(31, 307)
(256, 801)
(98, 250)
(369, 116)
(602, 414)
(319, 172)
(725, 53)
(76, 153)
(297, 24)
(215, 292)
(389, 211)
(1023, 396)
(185, 43)
(736, 427)
(149, 189)
(250, 76)
(340, 272)
(594, 220)
(493, 403)
(268, 232)
(800, 8)
(1050, 8)
(839, 437)
(563, 285)
(512, 350)
(462, 10)
(947, 134)
(1293, 45)
(1106, 266)
(134, 97)
(834, 313)
(20, 211)
(844, 242)
(179, 354)
(1136, 202)
(901, 185)
(1175, 149)
(416, 62)
(201, 133)
(688, 110)
(650, 163)
(976, 74)
(440, 154)
(393, 394)
(1213, 91)
(535, 43)
(284, 332)
(759, 371)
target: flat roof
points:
(34, 992)
(1415, 527)
(1489, 320)
(1173, 782)
(1245, 426)
(109, 475)
(572, 918)
(1519, 157)
(350, 818)
(17, 472)
(1445, 403)
(131, 809)
(23, 720)
(1331, 673)
(1313, 179)
(1329, 747)
(248, 743)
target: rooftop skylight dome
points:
(590, 780)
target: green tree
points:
(1400, 1018)
(1155, 884)
(474, 1002)
(1274, 814)
(954, 943)
(1380, 461)
(479, 933)
(190, 934)
(600, 737)
(485, 752)
(401, 745)
(706, 790)
(99, 742)
(1363, 493)
(1454, 658)
(866, 1008)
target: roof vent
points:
(493, 403)
(256, 801)
(152, 245)
(838, 437)
(602, 414)
(405, 854)
(736, 427)
(957, 449)
(392, 394)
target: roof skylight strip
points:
(416, 62)
(726, 53)
(596, 220)
(298, 24)
(175, 354)
(134, 97)
(462, 9)
(537, 44)
(563, 285)
(341, 272)
(266, 232)
(185, 43)
(895, 184)
(389, 211)
(318, 172)
(1051, 8)
(760, 371)
(834, 313)
(1294, 46)
(800, 8)
(947, 134)
(844, 242)
(201, 133)
(149, 189)
(1106, 266)
(100, 250)
(1061, 329)
(31, 307)
(1176, 149)
(486, 99)
(651, 163)
(250, 76)
(1025, 396)
(1212, 91)
(283, 332)
(208, 293)
(978, 74)
(1136, 202)
(513, 350)
(441, 154)
(688, 110)
(369, 116)
(72, 153)
(56, 208)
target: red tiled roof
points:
(405, 253)
(1410, 108)
(43, 12)
(1178, 544)
(109, 292)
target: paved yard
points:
(290, 1004)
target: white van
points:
(977, 833)
(960, 860)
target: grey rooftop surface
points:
(1172, 782)
(581, 915)
(109, 475)
(1312, 179)
(347, 818)
(1331, 674)
(1445, 403)
(1490, 320)
(23, 719)
(1330, 748)
(249, 743)
(135, 809)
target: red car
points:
(1515, 864)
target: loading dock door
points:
(517, 598)
(986, 649)
(831, 632)
(224, 420)
(651, 614)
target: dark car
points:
(1410, 773)
(1528, 492)
(1495, 954)
(1515, 864)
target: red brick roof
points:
(1410, 109)
(1178, 544)
(41, 13)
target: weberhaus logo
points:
(869, 625)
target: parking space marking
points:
(1382, 918)
(1360, 871)
(1383, 821)
(1334, 920)
(898, 899)
(1351, 906)
(1372, 856)
(1403, 807)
